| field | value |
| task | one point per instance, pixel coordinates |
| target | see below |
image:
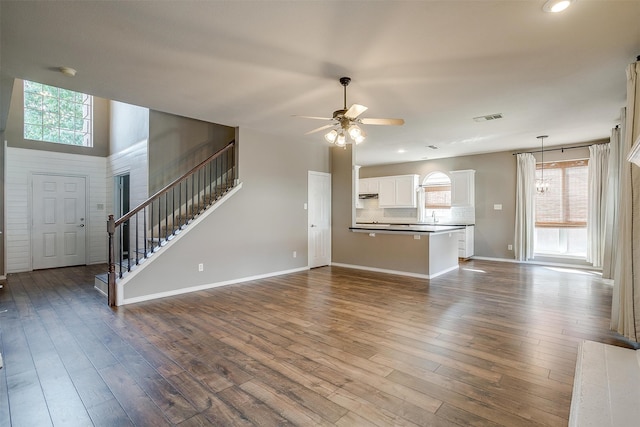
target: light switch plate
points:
(497, 207)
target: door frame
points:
(87, 220)
(309, 240)
(118, 201)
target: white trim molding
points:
(207, 286)
(396, 272)
(634, 153)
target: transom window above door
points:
(53, 114)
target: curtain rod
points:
(558, 149)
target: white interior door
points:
(319, 219)
(59, 212)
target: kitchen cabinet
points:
(465, 242)
(463, 188)
(397, 191)
(368, 186)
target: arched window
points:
(437, 191)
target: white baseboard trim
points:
(534, 262)
(440, 273)
(208, 286)
(396, 272)
(486, 258)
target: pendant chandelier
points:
(542, 185)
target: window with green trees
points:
(58, 115)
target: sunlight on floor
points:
(576, 271)
(475, 270)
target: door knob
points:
(81, 225)
(313, 225)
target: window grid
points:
(57, 115)
(564, 204)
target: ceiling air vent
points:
(433, 147)
(488, 117)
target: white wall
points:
(21, 164)
(252, 234)
(129, 147)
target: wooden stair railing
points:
(150, 225)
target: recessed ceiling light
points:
(402, 150)
(68, 71)
(555, 6)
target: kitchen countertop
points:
(407, 228)
(439, 223)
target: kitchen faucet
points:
(433, 215)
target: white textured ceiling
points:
(437, 64)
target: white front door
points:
(59, 212)
(319, 219)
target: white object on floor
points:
(606, 387)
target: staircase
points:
(147, 228)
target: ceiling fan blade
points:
(393, 122)
(354, 111)
(320, 128)
(313, 117)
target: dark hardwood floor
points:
(490, 344)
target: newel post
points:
(111, 276)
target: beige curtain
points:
(625, 316)
(525, 206)
(616, 159)
(597, 208)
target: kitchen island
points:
(418, 250)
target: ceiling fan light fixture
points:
(345, 127)
(331, 136)
(556, 6)
(355, 132)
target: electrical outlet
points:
(510, 247)
(295, 254)
(200, 267)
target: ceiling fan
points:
(345, 121)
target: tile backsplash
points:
(370, 212)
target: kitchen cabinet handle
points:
(313, 225)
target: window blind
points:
(564, 204)
(437, 196)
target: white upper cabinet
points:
(368, 186)
(463, 188)
(397, 191)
